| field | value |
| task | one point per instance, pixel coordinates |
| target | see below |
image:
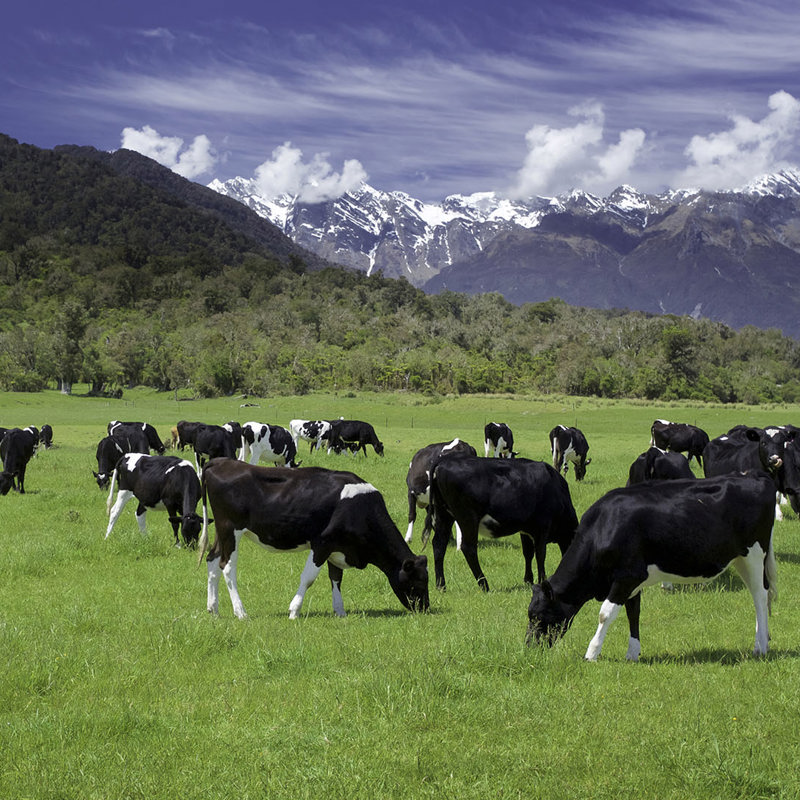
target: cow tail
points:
(111, 491)
(771, 576)
(202, 545)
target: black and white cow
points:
(157, 482)
(17, 448)
(569, 445)
(745, 449)
(215, 441)
(339, 517)
(46, 436)
(498, 440)
(418, 479)
(123, 428)
(312, 430)
(659, 465)
(110, 450)
(352, 435)
(271, 441)
(683, 531)
(499, 498)
(680, 438)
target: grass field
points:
(116, 683)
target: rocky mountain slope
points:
(732, 256)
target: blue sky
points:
(431, 98)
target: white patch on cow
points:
(338, 560)
(132, 459)
(308, 576)
(452, 444)
(608, 613)
(354, 489)
(459, 536)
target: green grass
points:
(116, 683)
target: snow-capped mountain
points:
(732, 256)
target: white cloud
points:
(748, 149)
(312, 182)
(169, 151)
(561, 158)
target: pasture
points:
(116, 682)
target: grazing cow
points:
(16, 450)
(680, 438)
(272, 441)
(655, 464)
(312, 430)
(158, 482)
(498, 440)
(684, 531)
(569, 444)
(46, 436)
(352, 435)
(342, 520)
(111, 449)
(215, 441)
(498, 498)
(123, 428)
(418, 479)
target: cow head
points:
(580, 468)
(6, 482)
(411, 584)
(190, 524)
(548, 617)
(102, 478)
(379, 447)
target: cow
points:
(46, 436)
(499, 498)
(683, 531)
(339, 517)
(352, 435)
(312, 430)
(215, 441)
(418, 479)
(656, 464)
(187, 432)
(157, 482)
(680, 438)
(569, 445)
(272, 441)
(17, 448)
(498, 440)
(110, 450)
(154, 440)
(746, 448)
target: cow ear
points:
(588, 461)
(752, 434)
(547, 589)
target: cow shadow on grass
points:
(719, 655)
(788, 558)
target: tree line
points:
(110, 281)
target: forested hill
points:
(116, 272)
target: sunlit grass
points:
(117, 683)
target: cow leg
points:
(632, 608)
(21, 479)
(335, 574)
(141, 515)
(751, 568)
(608, 613)
(412, 515)
(441, 537)
(229, 573)
(308, 576)
(123, 496)
(469, 546)
(529, 550)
